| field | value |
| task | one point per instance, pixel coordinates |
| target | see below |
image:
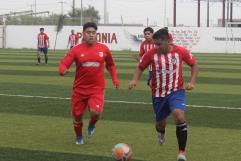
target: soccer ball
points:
(122, 152)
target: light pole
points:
(81, 13)
(165, 12)
(73, 8)
(207, 13)
(62, 6)
(105, 11)
(35, 7)
(174, 13)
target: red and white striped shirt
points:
(167, 69)
(73, 40)
(145, 47)
(42, 40)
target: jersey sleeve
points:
(46, 36)
(66, 62)
(188, 57)
(77, 37)
(110, 66)
(142, 50)
(145, 60)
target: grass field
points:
(40, 129)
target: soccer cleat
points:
(161, 138)
(79, 140)
(37, 63)
(181, 156)
(91, 130)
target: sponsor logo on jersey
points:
(174, 60)
(101, 54)
(91, 64)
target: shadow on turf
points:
(15, 154)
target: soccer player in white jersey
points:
(168, 94)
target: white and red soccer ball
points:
(122, 152)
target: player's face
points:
(148, 35)
(161, 45)
(41, 31)
(72, 31)
(90, 35)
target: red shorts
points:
(81, 99)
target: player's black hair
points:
(41, 28)
(148, 29)
(166, 28)
(90, 24)
(161, 34)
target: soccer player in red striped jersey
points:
(42, 45)
(90, 58)
(73, 39)
(145, 46)
(168, 95)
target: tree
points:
(89, 14)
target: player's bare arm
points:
(136, 76)
(68, 43)
(48, 43)
(194, 72)
(136, 56)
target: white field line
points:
(110, 101)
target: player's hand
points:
(65, 72)
(132, 84)
(190, 86)
(116, 84)
(136, 57)
(149, 83)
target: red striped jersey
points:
(73, 39)
(145, 46)
(167, 69)
(42, 40)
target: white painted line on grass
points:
(124, 102)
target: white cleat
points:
(181, 157)
(161, 138)
(90, 131)
(79, 141)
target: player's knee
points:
(94, 112)
(78, 118)
(161, 125)
(178, 116)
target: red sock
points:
(93, 120)
(78, 128)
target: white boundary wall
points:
(202, 40)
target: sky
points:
(157, 12)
